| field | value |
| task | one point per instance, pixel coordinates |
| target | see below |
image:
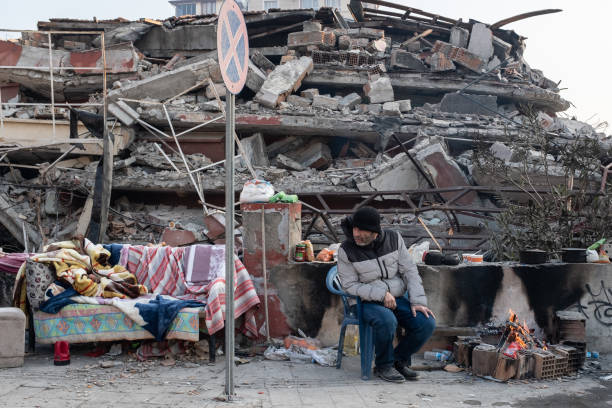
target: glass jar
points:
(300, 253)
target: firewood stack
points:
(519, 354)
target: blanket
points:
(153, 313)
(84, 323)
(10, 263)
(83, 265)
(165, 270)
(204, 263)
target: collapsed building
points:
(337, 112)
(385, 110)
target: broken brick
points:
(441, 63)
(305, 38)
(460, 55)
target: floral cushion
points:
(38, 278)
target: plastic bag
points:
(334, 250)
(325, 357)
(307, 342)
(325, 255)
(283, 197)
(592, 256)
(309, 251)
(276, 354)
(256, 191)
(416, 251)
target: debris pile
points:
(381, 104)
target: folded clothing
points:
(204, 263)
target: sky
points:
(571, 46)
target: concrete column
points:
(283, 230)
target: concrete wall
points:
(297, 4)
(463, 297)
(475, 295)
(283, 229)
(467, 297)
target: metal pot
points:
(433, 258)
(574, 255)
(533, 256)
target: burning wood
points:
(518, 354)
(517, 337)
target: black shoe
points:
(406, 372)
(389, 374)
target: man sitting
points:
(375, 265)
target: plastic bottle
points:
(435, 356)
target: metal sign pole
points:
(229, 245)
(233, 57)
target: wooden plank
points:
(153, 22)
(85, 217)
(505, 368)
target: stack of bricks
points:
(574, 357)
(544, 365)
(561, 360)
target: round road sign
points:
(232, 46)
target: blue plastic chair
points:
(353, 316)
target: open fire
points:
(518, 353)
(517, 337)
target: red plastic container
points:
(61, 354)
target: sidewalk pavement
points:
(262, 383)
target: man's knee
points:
(427, 325)
(385, 324)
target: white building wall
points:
(282, 4)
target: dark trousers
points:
(384, 321)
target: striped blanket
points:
(164, 270)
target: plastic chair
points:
(353, 316)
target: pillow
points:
(38, 278)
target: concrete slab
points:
(459, 37)
(406, 60)
(379, 90)
(168, 84)
(470, 104)
(284, 80)
(481, 41)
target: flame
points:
(518, 333)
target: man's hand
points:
(419, 308)
(389, 301)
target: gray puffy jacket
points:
(383, 266)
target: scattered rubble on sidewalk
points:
(309, 117)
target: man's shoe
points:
(406, 372)
(389, 374)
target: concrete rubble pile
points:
(321, 99)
